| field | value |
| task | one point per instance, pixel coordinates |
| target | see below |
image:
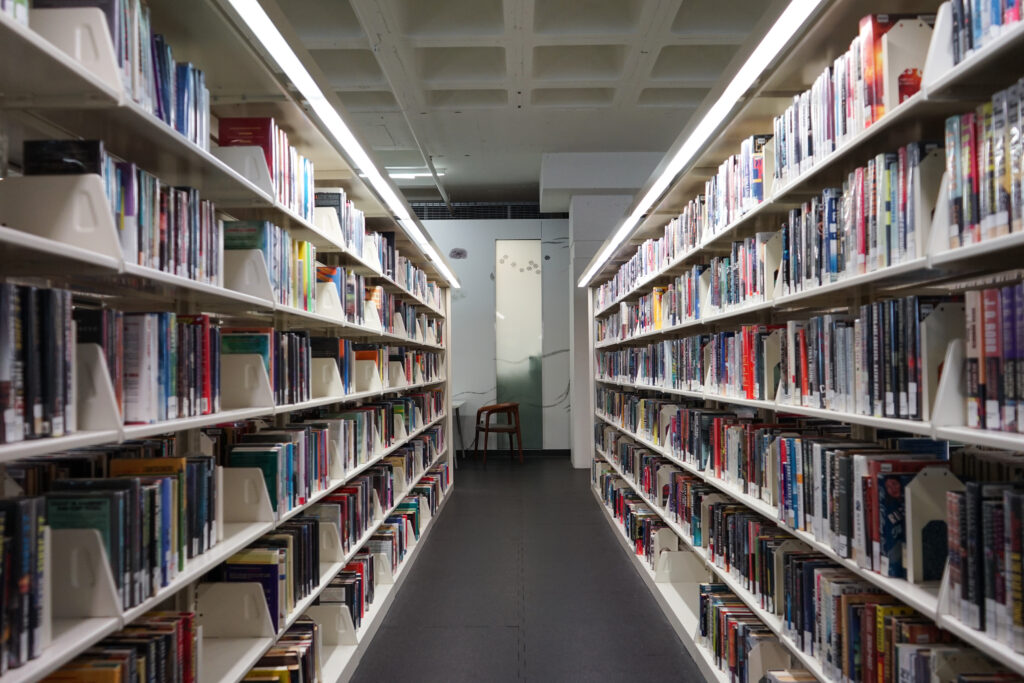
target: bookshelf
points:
(59, 232)
(659, 342)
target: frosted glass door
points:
(518, 333)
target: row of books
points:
(37, 397)
(983, 169)
(976, 23)
(291, 174)
(158, 646)
(855, 631)
(738, 186)
(154, 508)
(417, 365)
(414, 279)
(159, 226)
(174, 92)
(296, 656)
(286, 356)
(351, 219)
(994, 367)
(351, 287)
(291, 263)
(847, 97)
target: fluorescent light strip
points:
(785, 27)
(274, 43)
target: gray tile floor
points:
(522, 580)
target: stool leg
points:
(519, 438)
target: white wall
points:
(472, 338)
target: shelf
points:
(248, 651)
(898, 424)
(142, 431)
(35, 72)
(923, 598)
(995, 66)
(69, 637)
(33, 447)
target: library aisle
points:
(524, 580)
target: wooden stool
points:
(510, 427)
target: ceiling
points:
(484, 87)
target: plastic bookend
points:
(430, 337)
(418, 332)
(335, 622)
(946, 603)
(944, 325)
(399, 328)
(94, 392)
(70, 209)
(371, 257)
(396, 375)
(84, 584)
(244, 382)
(417, 375)
(375, 506)
(325, 218)
(326, 379)
(368, 376)
(767, 655)
(904, 48)
(772, 358)
(328, 302)
(772, 261)
(371, 316)
(249, 162)
(942, 232)
(246, 499)
(926, 510)
(338, 465)
(951, 397)
(425, 513)
(82, 33)
(233, 610)
(939, 60)
(382, 569)
(665, 475)
(947, 663)
(245, 271)
(330, 543)
(929, 186)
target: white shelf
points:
(247, 651)
(70, 636)
(33, 447)
(923, 598)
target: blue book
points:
(262, 566)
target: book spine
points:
(992, 343)
(954, 500)
(975, 404)
(1008, 329)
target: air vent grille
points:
(438, 211)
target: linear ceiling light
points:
(274, 43)
(778, 36)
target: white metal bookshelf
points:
(49, 229)
(947, 89)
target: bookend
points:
(772, 360)
(930, 207)
(665, 475)
(330, 543)
(942, 231)
(371, 317)
(328, 301)
(246, 499)
(250, 162)
(325, 220)
(425, 514)
(245, 270)
(368, 377)
(396, 375)
(86, 587)
(942, 326)
(382, 572)
(244, 382)
(83, 34)
(335, 623)
(72, 210)
(939, 59)
(950, 400)
(926, 522)
(767, 656)
(371, 258)
(417, 375)
(418, 332)
(326, 379)
(376, 510)
(338, 465)
(398, 327)
(904, 48)
(233, 610)
(94, 392)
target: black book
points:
(32, 346)
(63, 157)
(51, 320)
(19, 521)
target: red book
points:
(992, 353)
(804, 390)
(251, 132)
(872, 28)
(969, 162)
